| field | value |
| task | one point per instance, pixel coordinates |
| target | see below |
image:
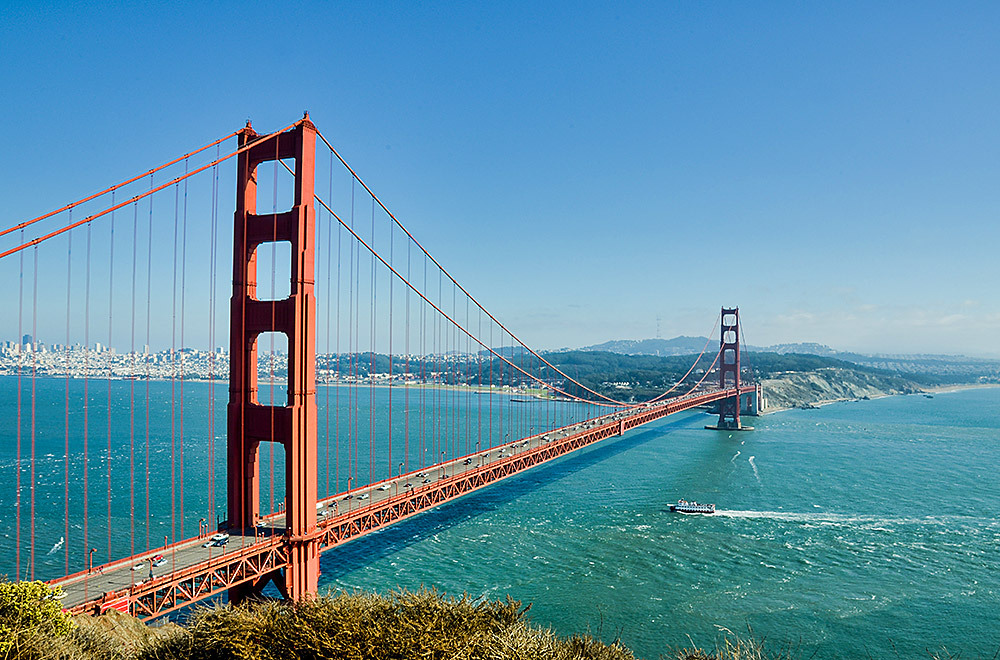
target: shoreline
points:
(934, 389)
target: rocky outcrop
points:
(812, 388)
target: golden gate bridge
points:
(401, 390)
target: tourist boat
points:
(683, 506)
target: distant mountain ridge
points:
(684, 345)
(664, 347)
(806, 348)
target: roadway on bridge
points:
(116, 576)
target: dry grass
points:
(423, 625)
(734, 647)
(399, 626)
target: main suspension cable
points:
(115, 187)
(455, 282)
(115, 207)
(616, 404)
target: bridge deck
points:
(193, 572)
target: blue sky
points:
(582, 168)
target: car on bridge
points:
(159, 560)
(363, 496)
(217, 540)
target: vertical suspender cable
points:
(86, 402)
(329, 258)
(491, 388)
(270, 357)
(422, 425)
(406, 389)
(180, 428)
(149, 281)
(371, 375)
(389, 380)
(466, 380)
(357, 367)
(34, 379)
(456, 371)
(336, 421)
(213, 267)
(350, 352)
(111, 280)
(20, 368)
(500, 404)
(479, 387)
(173, 378)
(439, 439)
(69, 281)
(131, 394)
(329, 302)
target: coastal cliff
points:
(805, 389)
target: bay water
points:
(861, 529)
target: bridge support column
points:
(752, 402)
(729, 371)
(249, 422)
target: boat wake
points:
(754, 466)
(56, 547)
(734, 456)
(818, 518)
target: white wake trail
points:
(56, 547)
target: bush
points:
(400, 626)
(29, 612)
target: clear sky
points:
(582, 168)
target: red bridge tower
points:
(249, 422)
(729, 372)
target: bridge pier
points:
(753, 402)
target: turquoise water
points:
(130, 463)
(860, 529)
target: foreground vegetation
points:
(403, 625)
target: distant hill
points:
(805, 348)
(662, 347)
(927, 369)
(684, 345)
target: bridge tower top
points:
(729, 344)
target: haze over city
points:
(591, 172)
